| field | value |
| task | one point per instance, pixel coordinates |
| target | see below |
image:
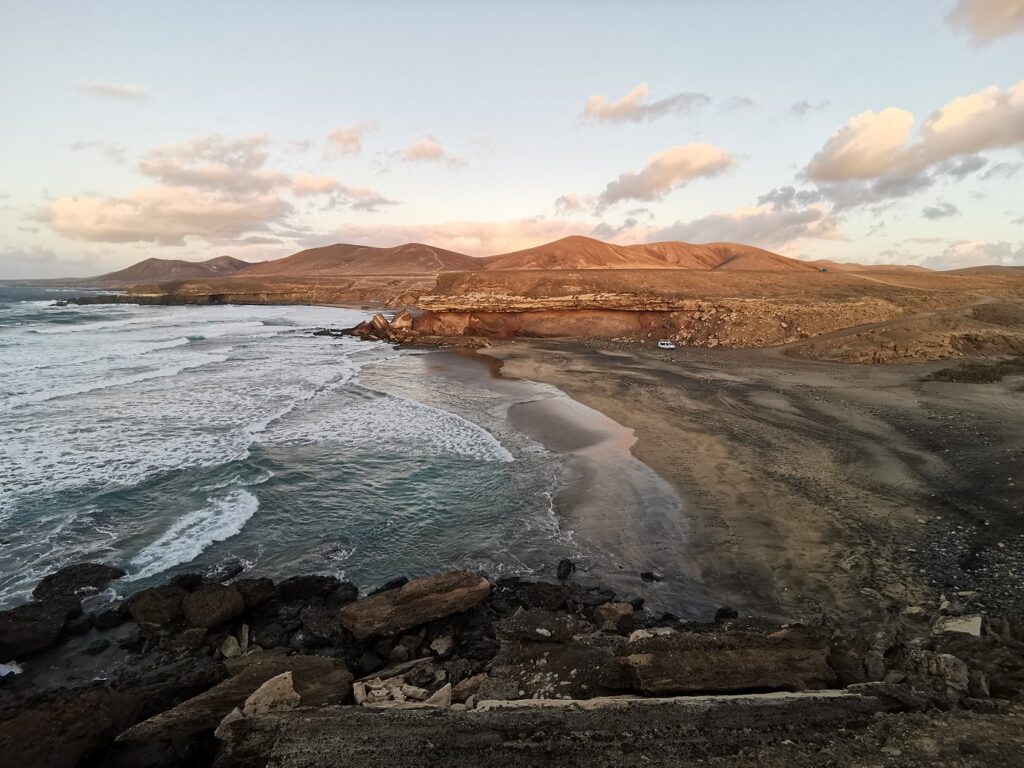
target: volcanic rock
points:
(255, 592)
(308, 587)
(34, 626)
(72, 579)
(679, 663)
(276, 694)
(414, 603)
(317, 680)
(212, 605)
(614, 617)
(157, 605)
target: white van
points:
(665, 344)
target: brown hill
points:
(164, 270)
(845, 266)
(343, 259)
(989, 269)
(587, 253)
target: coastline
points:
(811, 489)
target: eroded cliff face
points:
(725, 322)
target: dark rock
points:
(637, 603)
(414, 603)
(62, 730)
(652, 575)
(346, 593)
(111, 617)
(565, 569)
(682, 663)
(192, 638)
(726, 613)
(614, 617)
(187, 581)
(316, 679)
(270, 635)
(369, 663)
(75, 579)
(387, 586)
(34, 626)
(322, 621)
(97, 647)
(539, 626)
(308, 587)
(212, 605)
(80, 625)
(157, 605)
(256, 592)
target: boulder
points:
(565, 569)
(255, 592)
(277, 694)
(74, 579)
(681, 663)
(63, 730)
(725, 613)
(34, 626)
(212, 605)
(468, 687)
(322, 621)
(402, 321)
(157, 605)
(414, 603)
(316, 679)
(308, 587)
(968, 625)
(614, 617)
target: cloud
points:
(666, 171)
(427, 150)
(736, 103)
(986, 20)
(113, 151)
(767, 226)
(123, 91)
(804, 107)
(303, 184)
(214, 162)
(162, 214)
(605, 231)
(787, 198)
(940, 211)
(358, 199)
(571, 204)
(1002, 171)
(976, 253)
(477, 238)
(349, 141)
(963, 168)
(874, 145)
(633, 106)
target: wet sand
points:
(806, 488)
(624, 516)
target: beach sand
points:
(805, 488)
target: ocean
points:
(199, 438)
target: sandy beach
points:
(806, 488)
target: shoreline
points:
(812, 490)
(627, 518)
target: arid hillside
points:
(341, 259)
(163, 270)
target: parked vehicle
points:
(666, 344)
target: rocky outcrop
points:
(414, 603)
(157, 605)
(677, 663)
(212, 605)
(317, 680)
(402, 330)
(29, 628)
(76, 580)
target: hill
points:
(989, 269)
(587, 253)
(343, 259)
(164, 270)
(845, 266)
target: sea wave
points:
(190, 535)
(45, 395)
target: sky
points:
(888, 131)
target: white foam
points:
(394, 425)
(190, 535)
